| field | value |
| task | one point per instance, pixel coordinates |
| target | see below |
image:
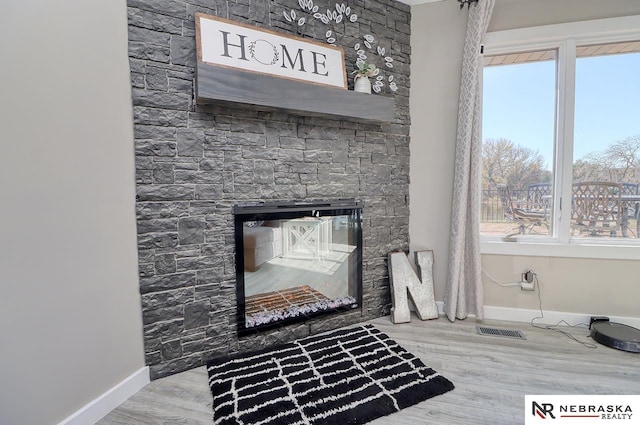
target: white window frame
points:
(563, 38)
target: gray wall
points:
(437, 39)
(69, 309)
(195, 162)
(597, 286)
(511, 14)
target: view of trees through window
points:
(620, 161)
(520, 159)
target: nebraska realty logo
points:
(581, 409)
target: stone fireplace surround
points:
(194, 162)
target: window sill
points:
(556, 249)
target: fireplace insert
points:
(296, 260)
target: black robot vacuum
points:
(615, 335)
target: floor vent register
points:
(507, 333)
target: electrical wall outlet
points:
(527, 286)
(527, 281)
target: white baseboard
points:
(95, 410)
(550, 317)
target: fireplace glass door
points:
(296, 260)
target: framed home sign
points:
(240, 47)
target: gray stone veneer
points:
(193, 163)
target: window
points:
(561, 137)
(606, 137)
(518, 143)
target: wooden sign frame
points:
(227, 44)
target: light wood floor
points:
(491, 374)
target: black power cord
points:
(556, 327)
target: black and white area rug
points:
(350, 376)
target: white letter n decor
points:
(404, 283)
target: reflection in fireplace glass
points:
(295, 267)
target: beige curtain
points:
(463, 294)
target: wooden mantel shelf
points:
(215, 83)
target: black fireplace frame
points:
(290, 210)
